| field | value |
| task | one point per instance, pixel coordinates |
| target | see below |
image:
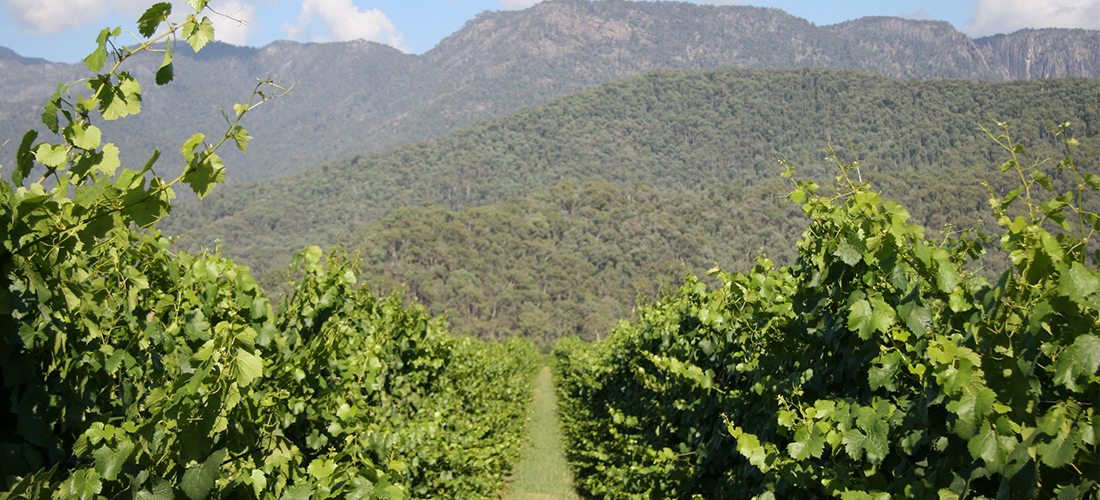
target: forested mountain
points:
(660, 137)
(357, 97)
(569, 259)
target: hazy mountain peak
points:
(7, 55)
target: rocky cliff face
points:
(1048, 53)
(905, 48)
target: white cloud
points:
(53, 16)
(518, 4)
(1006, 16)
(341, 20)
(231, 29)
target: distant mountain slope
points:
(1051, 53)
(357, 97)
(673, 130)
(569, 259)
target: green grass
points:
(542, 473)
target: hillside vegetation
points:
(356, 97)
(670, 129)
(676, 156)
(569, 260)
(873, 367)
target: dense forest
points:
(712, 137)
(568, 260)
(356, 97)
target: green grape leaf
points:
(24, 158)
(848, 253)
(299, 492)
(1092, 180)
(863, 495)
(188, 148)
(947, 277)
(798, 196)
(198, 5)
(199, 34)
(153, 16)
(241, 136)
(991, 447)
(249, 367)
(259, 482)
(1078, 282)
(53, 105)
(749, 446)
(321, 469)
(884, 371)
(203, 175)
(856, 442)
(866, 319)
(110, 160)
(86, 484)
(958, 300)
(808, 441)
(51, 156)
(166, 73)
(870, 435)
(98, 57)
(1080, 359)
(143, 207)
(118, 101)
(971, 408)
(85, 138)
(112, 363)
(346, 412)
(131, 90)
(198, 481)
(1058, 451)
(162, 490)
(1055, 209)
(152, 159)
(1041, 178)
(917, 317)
(390, 492)
(109, 461)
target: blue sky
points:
(64, 30)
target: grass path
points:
(542, 473)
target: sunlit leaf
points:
(321, 469)
(50, 155)
(153, 16)
(199, 34)
(98, 57)
(249, 367)
(241, 137)
(1081, 359)
(1078, 282)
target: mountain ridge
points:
(672, 129)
